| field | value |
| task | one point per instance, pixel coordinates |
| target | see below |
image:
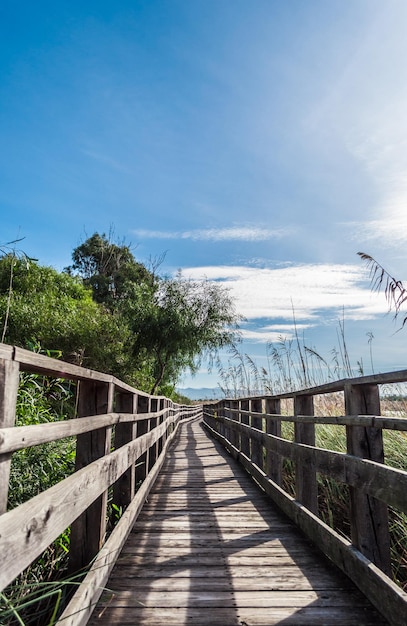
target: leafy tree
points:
(173, 323)
(108, 268)
(178, 324)
(56, 311)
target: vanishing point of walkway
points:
(209, 548)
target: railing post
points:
(226, 413)
(142, 429)
(234, 435)
(9, 380)
(153, 406)
(369, 516)
(162, 440)
(88, 530)
(256, 405)
(273, 427)
(244, 439)
(305, 477)
(124, 489)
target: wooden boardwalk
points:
(209, 548)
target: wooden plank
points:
(215, 598)
(256, 421)
(369, 516)
(374, 421)
(189, 561)
(83, 602)
(88, 530)
(244, 418)
(274, 461)
(9, 381)
(305, 473)
(376, 586)
(383, 482)
(26, 531)
(125, 488)
(12, 439)
(41, 364)
(143, 428)
(6, 352)
(399, 376)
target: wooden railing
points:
(122, 436)
(250, 428)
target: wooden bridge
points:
(209, 534)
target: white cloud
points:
(363, 110)
(389, 231)
(313, 291)
(273, 332)
(235, 233)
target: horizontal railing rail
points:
(122, 435)
(251, 430)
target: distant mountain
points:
(204, 393)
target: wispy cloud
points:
(272, 332)
(235, 233)
(312, 292)
(367, 106)
(106, 160)
(389, 231)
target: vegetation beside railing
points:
(76, 516)
(284, 442)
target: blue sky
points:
(260, 144)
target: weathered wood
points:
(9, 380)
(142, 428)
(83, 602)
(383, 482)
(244, 418)
(399, 376)
(152, 424)
(369, 517)
(273, 466)
(257, 422)
(41, 364)
(26, 531)
(88, 530)
(389, 599)
(12, 439)
(193, 558)
(161, 441)
(375, 421)
(125, 488)
(6, 352)
(305, 474)
(233, 415)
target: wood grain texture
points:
(379, 588)
(30, 528)
(81, 605)
(209, 548)
(369, 516)
(381, 481)
(9, 379)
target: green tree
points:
(56, 311)
(180, 322)
(109, 268)
(173, 323)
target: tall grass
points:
(36, 595)
(292, 365)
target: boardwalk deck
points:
(210, 549)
